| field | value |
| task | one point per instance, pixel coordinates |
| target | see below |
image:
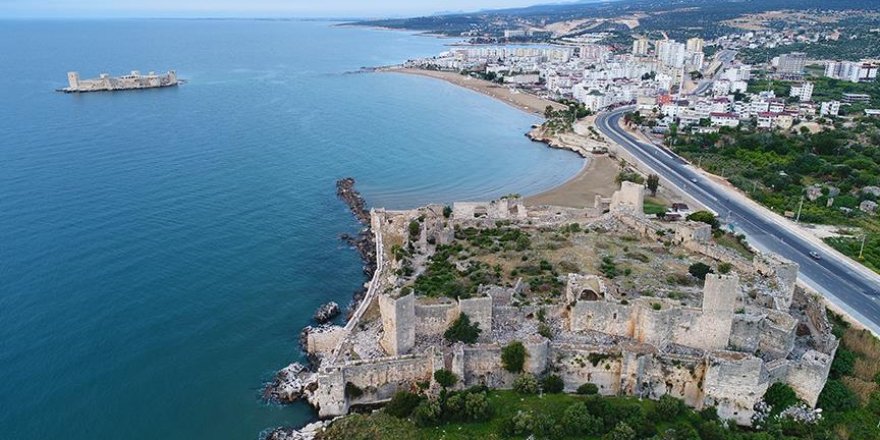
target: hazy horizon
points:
(235, 8)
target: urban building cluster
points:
(587, 72)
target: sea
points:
(160, 250)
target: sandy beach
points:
(523, 101)
(596, 178)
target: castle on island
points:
(106, 83)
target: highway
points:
(846, 284)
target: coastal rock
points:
(290, 384)
(308, 432)
(345, 191)
(326, 312)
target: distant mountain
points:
(679, 17)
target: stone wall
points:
(324, 339)
(808, 376)
(479, 310)
(630, 198)
(783, 272)
(579, 364)
(733, 384)
(434, 319)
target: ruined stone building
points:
(722, 343)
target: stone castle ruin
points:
(601, 298)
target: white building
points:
(852, 71)
(724, 120)
(670, 53)
(640, 47)
(829, 108)
(694, 44)
(803, 91)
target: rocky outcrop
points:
(308, 432)
(290, 384)
(326, 312)
(363, 241)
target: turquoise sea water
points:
(160, 250)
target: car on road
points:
(694, 179)
(815, 255)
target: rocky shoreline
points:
(292, 382)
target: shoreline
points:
(596, 176)
(521, 101)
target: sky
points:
(245, 8)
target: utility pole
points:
(798, 218)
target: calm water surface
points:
(160, 250)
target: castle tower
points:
(398, 323)
(719, 299)
(73, 80)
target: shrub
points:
(621, 432)
(513, 357)
(699, 270)
(427, 413)
(780, 396)
(704, 217)
(668, 407)
(521, 423)
(445, 378)
(577, 421)
(447, 211)
(588, 389)
(526, 384)
(553, 384)
(402, 404)
(724, 268)
(353, 391)
(608, 267)
(476, 407)
(462, 330)
(545, 331)
(843, 363)
(837, 397)
(415, 228)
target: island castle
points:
(132, 81)
(638, 325)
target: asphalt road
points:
(832, 276)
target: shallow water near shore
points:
(160, 250)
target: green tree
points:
(780, 396)
(526, 383)
(669, 408)
(445, 378)
(427, 413)
(462, 330)
(476, 407)
(724, 268)
(513, 357)
(837, 397)
(843, 363)
(577, 421)
(699, 270)
(653, 184)
(704, 217)
(588, 389)
(621, 432)
(402, 404)
(553, 384)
